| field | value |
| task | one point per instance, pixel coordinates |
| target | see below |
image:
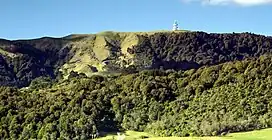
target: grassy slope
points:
(265, 134)
(5, 53)
(92, 49)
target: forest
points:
(212, 100)
(183, 51)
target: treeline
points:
(215, 100)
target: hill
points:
(21, 61)
(209, 101)
(165, 83)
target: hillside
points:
(21, 61)
(165, 83)
(215, 100)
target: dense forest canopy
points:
(230, 97)
(195, 49)
(181, 84)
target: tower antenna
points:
(175, 26)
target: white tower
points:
(175, 26)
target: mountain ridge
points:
(123, 52)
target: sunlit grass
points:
(265, 134)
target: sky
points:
(25, 19)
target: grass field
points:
(265, 134)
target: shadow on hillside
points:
(183, 65)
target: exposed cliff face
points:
(23, 60)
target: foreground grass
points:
(265, 134)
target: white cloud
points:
(237, 2)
